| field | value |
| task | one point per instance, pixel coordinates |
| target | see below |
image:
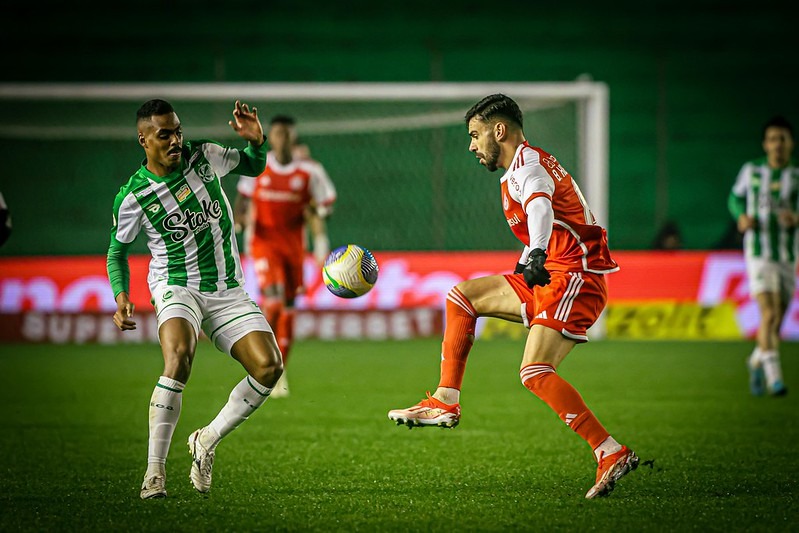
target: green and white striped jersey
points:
(762, 192)
(186, 217)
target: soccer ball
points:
(350, 271)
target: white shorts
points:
(224, 316)
(766, 275)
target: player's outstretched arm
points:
(247, 124)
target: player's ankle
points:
(448, 395)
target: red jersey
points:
(577, 242)
(279, 198)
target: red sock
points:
(458, 339)
(285, 327)
(556, 392)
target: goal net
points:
(397, 152)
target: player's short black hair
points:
(777, 121)
(494, 106)
(152, 108)
(288, 120)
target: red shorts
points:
(277, 267)
(571, 303)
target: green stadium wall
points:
(690, 87)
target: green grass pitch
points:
(74, 442)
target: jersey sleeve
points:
(322, 190)
(226, 160)
(736, 201)
(127, 218)
(529, 182)
(126, 224)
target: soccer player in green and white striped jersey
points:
(763, 201)
(195, 277)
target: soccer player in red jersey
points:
(558, 289)
(275, 208)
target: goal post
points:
(589, 99)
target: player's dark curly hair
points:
(493, 106)
(283, 119)
(777, 121)
(152, 108)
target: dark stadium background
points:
(690, 83)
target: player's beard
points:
(491, 156)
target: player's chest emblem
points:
(205, 172)
(505, 202)
(264, 181)
(296, 183)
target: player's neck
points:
(283, 159)
(508, 149)
(161, 170)
(777, 162)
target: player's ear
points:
(500, 131)
(141, 139)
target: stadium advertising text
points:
(673, 295)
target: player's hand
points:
(786, 218)
(519, 268)
(745, 222)
(534, 272)
(122, 318)
(247, 124)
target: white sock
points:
(164, 413)
(246, 397)
(609, 446)
(448, 395)
(771, 366)
(754, 358)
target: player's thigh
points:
(294, 280)
(787, 284)
(546, 345)
(763, 275)
(179, 316)
(257, 351)
(492, 296)
(562, 313)
(270, 269)
(229, 316)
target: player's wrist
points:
(256, 143)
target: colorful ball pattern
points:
(350, 271)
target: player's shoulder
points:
(196, 147)
(134, 187)
(755, 162)
(529, 156)
(312, 166)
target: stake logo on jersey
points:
(181, 224)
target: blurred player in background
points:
(763, 201)
(558, 288)
(195, 277)
(275, 207)
(5, 221)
